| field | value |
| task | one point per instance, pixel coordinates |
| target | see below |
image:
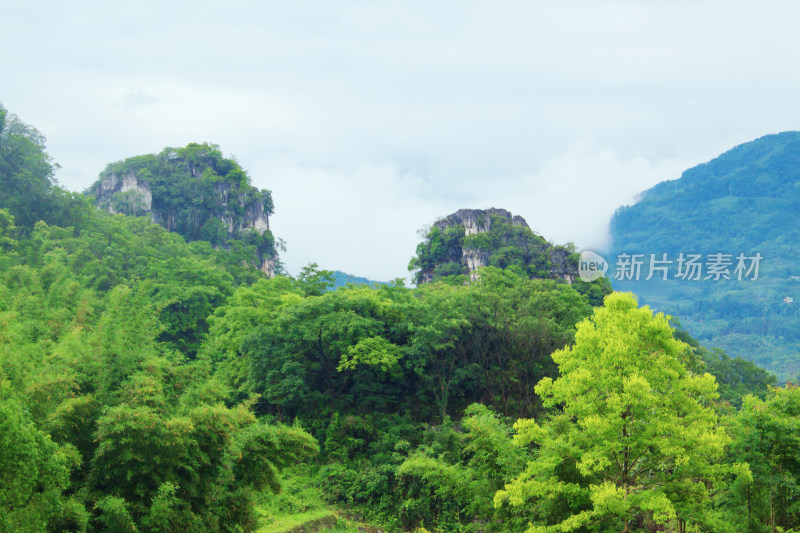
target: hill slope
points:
(746, 201)
(196, 192)
(342, 279)
(469, 239)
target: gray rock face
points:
(254, 216)
(561, 267)
(476, 221)
(268, 266)
(124, 184)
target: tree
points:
(767, 436)
(486, 341)
(181, 463)
(34, 471)
(637, 443)
(314, 356)
(450, 478)
(8, 230)
(231, 324)
(313, 281)
(26, 171)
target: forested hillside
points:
(152, 384)
(342, 279)
(196, 192)
(469, 239)
(105, 422)
(743, 202)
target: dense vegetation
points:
(342, 279)
(106, 423)
(504, 242)
(744, 201)
(150, 384)
(498, 240)
(196, 192)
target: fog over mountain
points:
(370, 120)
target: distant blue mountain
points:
(341, 279)
(746, 201)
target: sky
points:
(370, 120)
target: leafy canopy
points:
(636, 443)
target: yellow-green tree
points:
(636, 444)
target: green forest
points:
(742, 202)
(196, 192)
(159, 381)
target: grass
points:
(345, 526)
(314, 520)
(301, 508)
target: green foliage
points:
(736, 377)
(594, 291)
(494, 336)
(445, 481)
(194, 190)
(375, 352)
(113, 516)
(107, 423)
(187, 282)
(449, 486)
(295, 357)
(744, 201)
(357, 350)
(144, 383)
(26, 171)
(300, 504)
(347, 437)
(261, 450)
(440, 246)
(635, 444)
(313, 281)
(767, 436)
(8, 230)
(363, 367)
(189, 462)
(34, 471)
(500, 242)
(168, 512)
(27, 182)
(232, 324)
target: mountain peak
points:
(193, 191)
(469, 239)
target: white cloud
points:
(372, 119)
(361, 221)
(365, 219)
(572, 197)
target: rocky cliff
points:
(196, 192)
(469, 239)
(137, 195)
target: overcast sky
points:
(369, 120)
